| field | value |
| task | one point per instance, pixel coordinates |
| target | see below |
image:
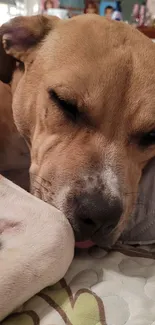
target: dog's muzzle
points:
(93, 215)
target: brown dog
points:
(85, 105)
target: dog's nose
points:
(95, 210)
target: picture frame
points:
(104, 4)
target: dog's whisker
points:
(43, 179)
(41, 185)
(37, 187)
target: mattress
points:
(99, 289)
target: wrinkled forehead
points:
(97, 60)
(82, 56)
(86, 40)
(96, 43)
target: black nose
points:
(94, 210)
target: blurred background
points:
(139, 13)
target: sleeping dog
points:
(84, 101)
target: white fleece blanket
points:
(36, 246)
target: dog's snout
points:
(94, 210)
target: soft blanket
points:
(97, 290)
(36, 246)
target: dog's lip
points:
(102, 237)
(84, 244)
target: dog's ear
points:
(20, 37)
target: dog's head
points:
(86, 105)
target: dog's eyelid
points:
(59, 99)
(70, 107)
(54, 94)
(148, 127)
(144, 139)
(67, 105)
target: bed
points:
(99, 289)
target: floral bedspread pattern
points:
(98, 290)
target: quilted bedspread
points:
(98, 290)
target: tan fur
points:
(107, 68)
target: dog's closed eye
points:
(145, 140)
(68, 107)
